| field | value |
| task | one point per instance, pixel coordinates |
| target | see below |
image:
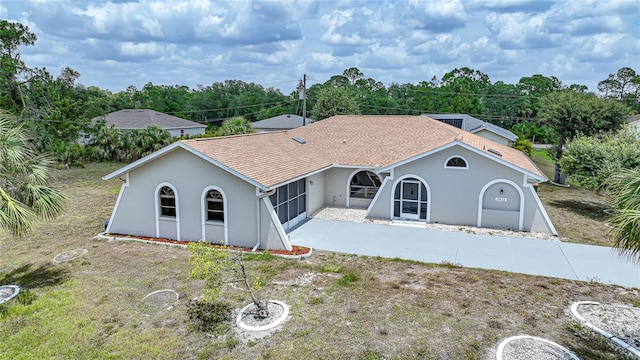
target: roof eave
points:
(172, 147)
(541, 177)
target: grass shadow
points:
(32, 277)
(590, 209)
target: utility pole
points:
(304, 99)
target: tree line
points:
(60, 107)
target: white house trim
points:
(470, 148)
(426, 185)
(180, 145)
(276, 222)
(125, 184)
(297, 178)
(375, 198)
(348, 193)
(506, 181)
(157, 205)
(203, 199)
(541, 208)
(466, 167)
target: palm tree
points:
(236, 126)
(25, 193)
(625, 186)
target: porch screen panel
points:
(289, 201)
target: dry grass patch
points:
(579, 215)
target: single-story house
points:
(478, 127)
(130, 119)
(249, 190)
(633, 122)
(280, 122)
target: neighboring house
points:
(633, 122)
(478, 127)
(281, 122)
(248, 190)
(130, 119)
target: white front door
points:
(410, 199)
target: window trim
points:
(466, 163)
(371, 175)
(159, 217)
(204, 212)
(348, 188)
(413, 177)
(206, 203)
(163, 207)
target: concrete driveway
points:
(517, 255)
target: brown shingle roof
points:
(381, 141)
(129, 119)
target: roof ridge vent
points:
(494, 152)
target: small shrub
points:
(25, 297)
(212, 317)
(450, 265)
(370, 355)
(524, 145)
(316, 300)
(263, 256)
(332, 268)
(348, 279)
(231, 342)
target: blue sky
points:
(115, 44)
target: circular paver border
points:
(154, 293)
(271, 325)
(519, 337)
(606, 335)
(16, 290)
(69, 255)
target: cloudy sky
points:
(115, 44)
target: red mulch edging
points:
(295, 249)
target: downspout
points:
(258, 222)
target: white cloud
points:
(145, 49)
(519, 30)
(446, 9)
(115, 44)
(323, 60)
(602, 46)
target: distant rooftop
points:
(472, 125)
(280, 122)
(129, 119)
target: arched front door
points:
(410, 200)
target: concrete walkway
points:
(517, 255)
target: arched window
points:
(456, 162)
(215, 206)
(167, 202)
(364, 185)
